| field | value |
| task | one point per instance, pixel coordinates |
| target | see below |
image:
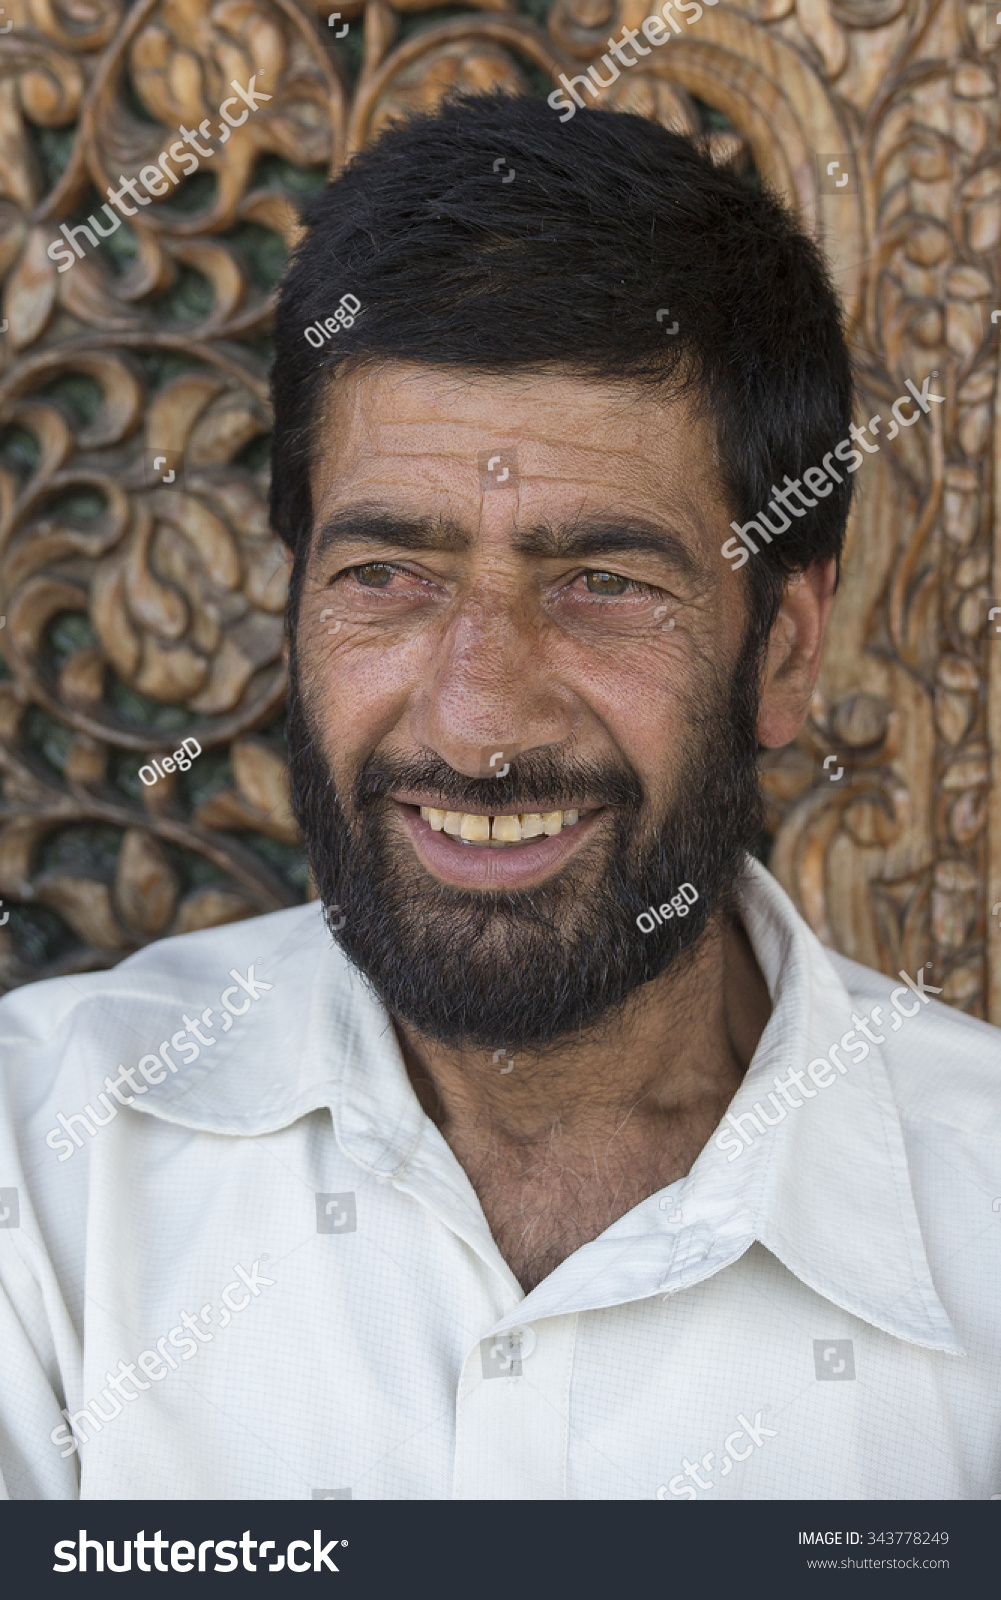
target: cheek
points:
(644, 713)
(356, 690)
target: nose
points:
(493, 692)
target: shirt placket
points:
(512, 1436)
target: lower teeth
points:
(496, 844)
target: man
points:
(572, 1165)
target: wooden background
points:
(137, 613)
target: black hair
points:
(609, 219)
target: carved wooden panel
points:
(140, 587)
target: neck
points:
(654, 1079)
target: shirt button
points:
(503, 1354)
(522, 1341)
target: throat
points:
(544, 1201)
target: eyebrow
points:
(583, 539)
(371, 525)
(587, 538)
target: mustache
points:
(540, 780)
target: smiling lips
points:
(474, 827)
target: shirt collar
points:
(826, 1190)
(829, 1185)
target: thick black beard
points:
(520, 971)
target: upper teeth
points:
(475, 828)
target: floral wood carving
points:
(141, 588)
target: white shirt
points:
(813, 1314)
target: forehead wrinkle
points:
(600, 532)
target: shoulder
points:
(51, 1027)
(944, 1066)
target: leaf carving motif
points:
(141, 611)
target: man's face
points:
(557, 641)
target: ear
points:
(793, 658)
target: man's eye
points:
(606, 583)
(374, 574)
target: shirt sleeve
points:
(40, 1346)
